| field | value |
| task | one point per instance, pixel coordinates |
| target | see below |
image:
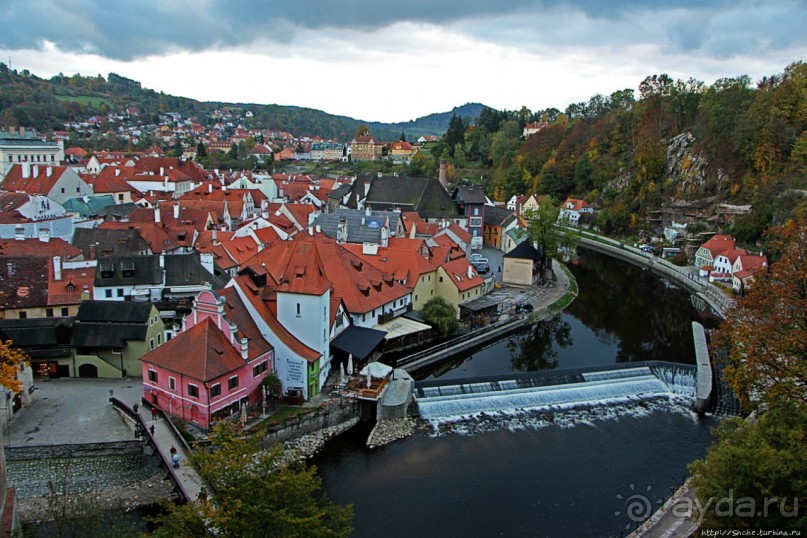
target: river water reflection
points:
(523, 480)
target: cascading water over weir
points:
(555, 390)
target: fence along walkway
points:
(187, 481)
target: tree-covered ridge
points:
(29, 101)
(679, 139)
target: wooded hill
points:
(29, 101)
(733, 141)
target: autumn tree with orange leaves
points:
(10, 360)
(765, 334)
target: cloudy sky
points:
(382, 60)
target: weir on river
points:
(555, 389)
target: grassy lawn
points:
(282, 414)
(86, 100)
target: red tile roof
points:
(254, 295)
(457, 271)
(202, 352)
(41, 179)
(35, 247)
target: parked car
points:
(649, 249)
(482, 268)
(524, 308)
(479, 261)
(476, 256)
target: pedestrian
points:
(151, 430)
(153, 413)
(173, 450)
(135, 407)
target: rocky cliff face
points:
(688, 171)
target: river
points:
(556, 474)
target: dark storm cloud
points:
(126, 29)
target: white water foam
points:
(475, 407)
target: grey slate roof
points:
(360, 341)
(421, 194)
(110, 242)
(117, 211)
(525, 251)
(36, 332)
(114, 311)
(187, 269)
(360, 227)
(469, 194)
(110, 323)
(497, 216)
(128, 271)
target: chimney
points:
(49, 171)
(157, 214)
(442, 176)
(93, 252)
(319, 228)
(26, 170)
(206, 260)
(44, 235)
(57, 268)
(85, 293)
(245, 349)
(162, 261)
(176, 211)
(117, 172)
(10, 268)
(35, 171)
(470, 272)
(209, 187)
(310, 231)
(368, 211)
(215, 239)
(162, 171)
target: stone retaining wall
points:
(322, 418)
(80, 450)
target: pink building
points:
(214, 366)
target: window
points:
(258, 369)
(62, 190)
(151, 343)
(193, 391)
(215, 391)
(298, 310)
(159, 339)
(153, 376)
(48, 312)
(108, 293)
(120, 292)
(23, 315)
(441, 279)
(172, 383)
(232, 382)
(64, 312)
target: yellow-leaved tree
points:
(11, 358)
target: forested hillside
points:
(734, 141)
(29, 101)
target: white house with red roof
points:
(214, 367)
(572, 209)
(59, 183)
(746, 267)
(532, 128)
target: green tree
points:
(758, 467)
(273, 386)
(201, 150)
(455, 134)
(544, 231)
(254, 495)
(441, 314)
